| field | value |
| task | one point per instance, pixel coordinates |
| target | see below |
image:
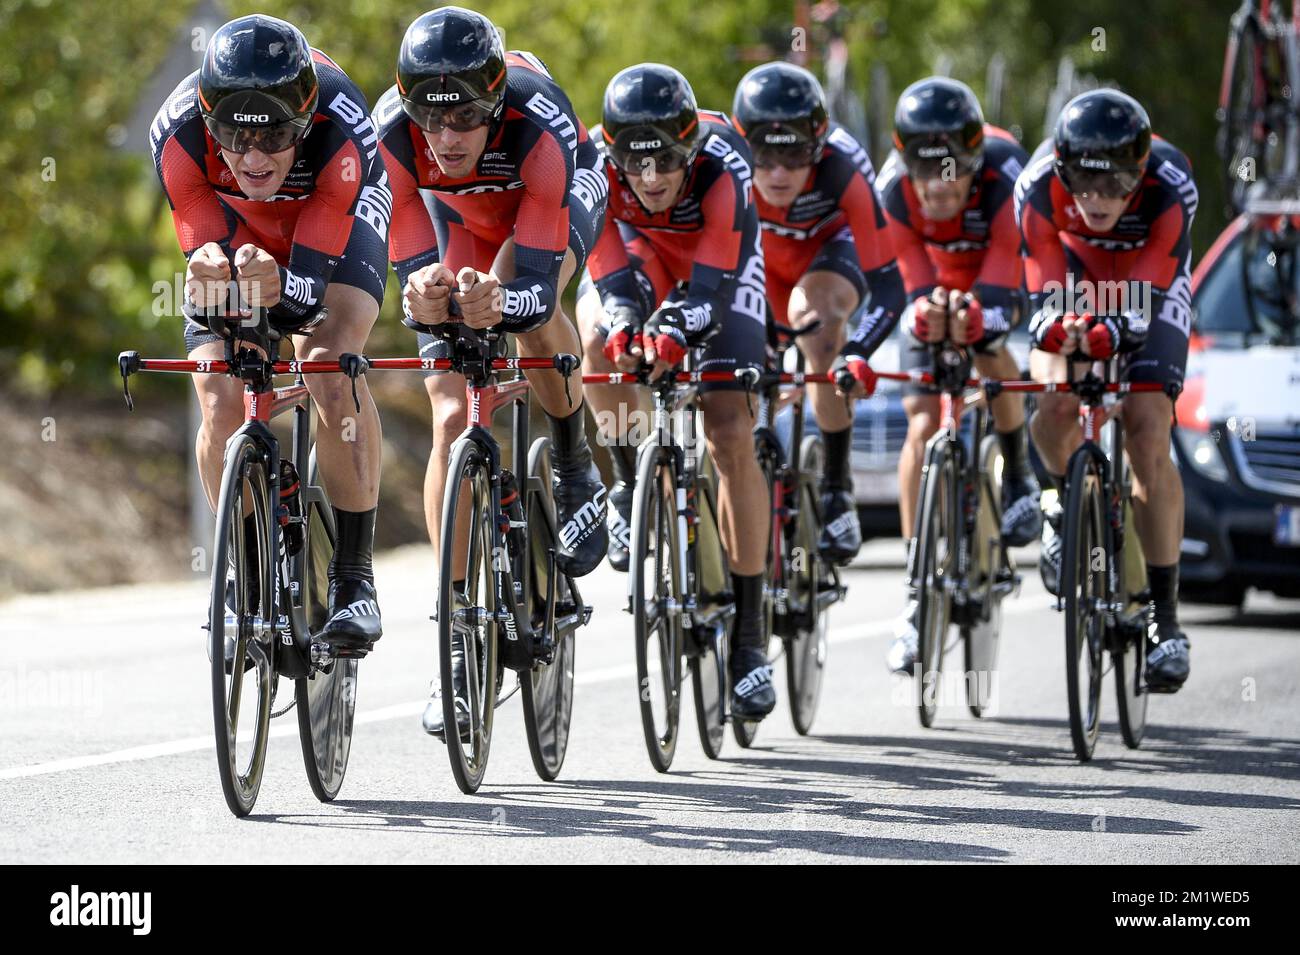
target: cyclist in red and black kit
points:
(267, 158)
(1104, 203)
(681, 211)
(497, 202)
(827, 255)
(947, 191)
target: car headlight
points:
(1201, 452)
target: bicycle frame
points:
(1106, 446)
(262, 402)
(951, 376)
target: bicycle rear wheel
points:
(936, 533)
(241, 698)
(1129, 656)
(1084, 562)
(656, 600)
(1255, 102)
(467, 621)
(708, 644)
(805, 655)
(547, 687)
(326, 700)
(981, 638)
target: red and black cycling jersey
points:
(537, 158)
(839, 193)
(1149, 251)
(708, 238)
(305, 226)
(977, 250)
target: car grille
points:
(1270, 461)
(1260, 549)
(879, 428)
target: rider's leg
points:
(621, 423)
(922, 423)
(1158, 513)
(829, 297)
(221, 411)
(348, 450)
(1022, 517)
(744, 522)
(446, 392)
(579, 495)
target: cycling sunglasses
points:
(646, 164)
(275, 138)
(1117, 183)
(787, 157)
(464, 118)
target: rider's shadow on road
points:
(650, 812)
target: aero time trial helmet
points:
(451, 71)
(1102, 140)
(939, 129)
(780, 109)
(650, 114)
(257, 86)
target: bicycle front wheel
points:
(805, 656)
(242, 689)
(656, 602)
(548, 687)
(467, 627)
(936, 533)
(1084, 562)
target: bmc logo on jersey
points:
(442, 97)
(251, 118)
(556, 118)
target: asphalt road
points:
(106, 751)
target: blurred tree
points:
(84, 234)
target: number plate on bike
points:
(1286, 525)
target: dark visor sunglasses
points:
(275, 138)
(787, 156)
(647, 164)
(464, 118)
(1110, 184)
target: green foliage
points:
(84, 233)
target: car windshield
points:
(1253, 291)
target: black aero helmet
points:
(257, 86)
(939, 129)
(1102, 140)
(780, 109)
(452, 65)
(650, 113)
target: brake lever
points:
(566, 364)
(748, 377)
(354, 366)
(128, 363)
